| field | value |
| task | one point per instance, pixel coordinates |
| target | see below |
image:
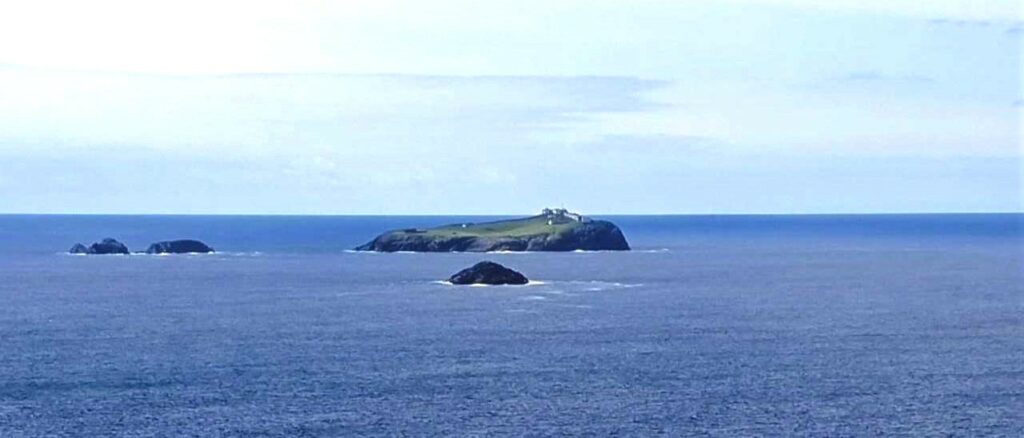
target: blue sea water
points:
(715, 325)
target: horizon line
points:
(920, 213)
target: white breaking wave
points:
(65, 253)
(507, 252)
(531, 283)
(596, 285)
(590, 286)
(553, 292)
(186, 254)
(632, 251)
(238, 254)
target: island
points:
(552, 230)
(106, 246)
(488, 273)
(184, 246)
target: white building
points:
(561, 213)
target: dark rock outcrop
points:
(488, 273)
(183, 246)
(79, 249)
(106, 246)
(536, 233)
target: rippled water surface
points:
(758, 325)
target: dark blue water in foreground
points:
(726, 326)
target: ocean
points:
(714, 325)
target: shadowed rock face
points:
(106, 246)
(529, 234)
(488, 273)
(184, 246)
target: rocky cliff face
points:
(530, 234)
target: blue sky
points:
(741, 106)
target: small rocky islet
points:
(552, 230)
(112, 246)
(489, 273)
(183, 246)
(105, 246)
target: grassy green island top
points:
(552, 230)
(529, 226)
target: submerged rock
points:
(106, 246)
(183, 246)
(488, 273)
(552, 230)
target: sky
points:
(469, 107)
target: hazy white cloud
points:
(960, 10)
(265, 113)
(373, 107)
(532, 37)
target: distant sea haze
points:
(720, 325)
